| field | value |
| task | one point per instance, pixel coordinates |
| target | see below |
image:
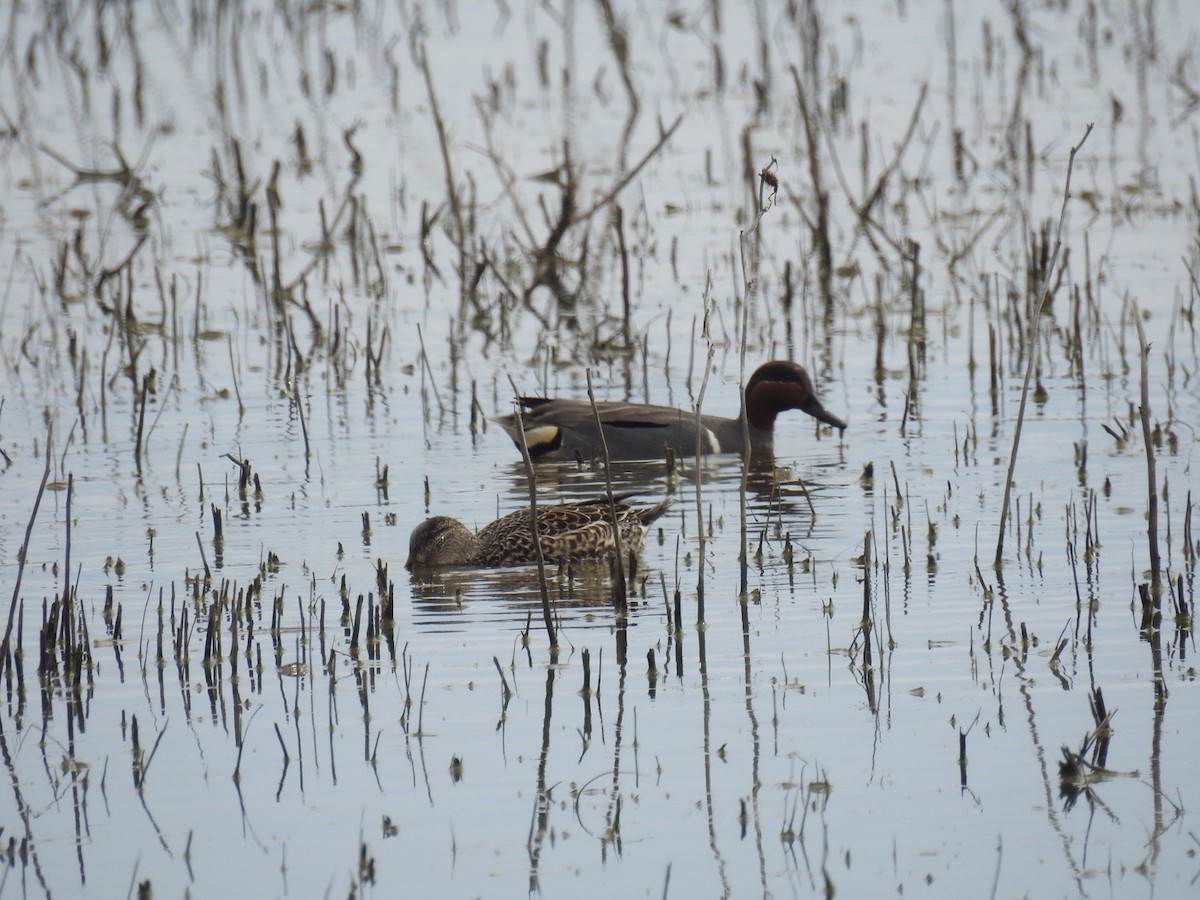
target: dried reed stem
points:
(24, 554)
(749, 287)
(699, 449)
(819, 226)
(299, 400)
(429, 371)
(531, 479)
(460, 236)
(628, 176)
(626, 331)
(620, 597)
(236, 389)
(1043, 294)
(1151, 476)
(137, 447)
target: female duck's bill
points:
(566, 429)
(572, 531)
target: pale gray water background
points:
(776, 766)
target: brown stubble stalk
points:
(1151, 475)
(908, 250)
(24, 554)
(298, 399)
(819, 225)
(429, 371)
(873, 197)
(699, 450)
(545, 255)
(748, 287)
(531, 479)
(274, 203)
(237, 391)
(620, 184)
(70, 650)
(586, 692)
(766, 179)
(619, 227)
(916, 328)
(618, 42)
(620, 598)
(460, 236)
(147, 380)
(1043, 295)
(866, 625)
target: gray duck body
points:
(563, 429)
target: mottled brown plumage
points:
(572, 531)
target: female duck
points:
(573, 531)
(566, 429)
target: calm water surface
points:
(449, 752)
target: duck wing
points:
(566, 429)
(568, 532)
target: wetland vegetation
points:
(271, 271)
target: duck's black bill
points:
(813, 407)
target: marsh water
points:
(270, 267)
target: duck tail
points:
(655, 512)
(540, 439)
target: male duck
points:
(572, 531)
(566, 429)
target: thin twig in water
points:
(300, 412)
(700, 448)
(236, 390)
(620, 600)
(460, 237)
(629, 176)
(203, 558)
(1151, 476)
(537, 542)
(429, 371)
(1043, 293)
(37, 502)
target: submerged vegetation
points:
(274, 269)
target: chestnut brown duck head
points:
(566, 429)
(572, 531)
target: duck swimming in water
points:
(572, 531)
(566, 429)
